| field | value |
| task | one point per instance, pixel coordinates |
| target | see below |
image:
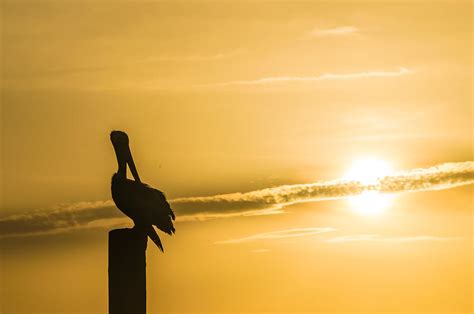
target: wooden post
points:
(127, 271)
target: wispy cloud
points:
(260, 251)
(304, 232)
(62, 218)
(259, 202)
(194, 57)
(279, 234)
(146, 61)
(443, 176)
(334, 31)
(378, 238)
(322, 77)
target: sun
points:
(368, 171)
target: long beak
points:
(131, 165)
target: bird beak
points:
(131, 165)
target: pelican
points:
(146, 206)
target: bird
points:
(146, 206)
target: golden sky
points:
(318, 154)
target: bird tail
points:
(166, 227)
(151, 232)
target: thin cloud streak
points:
(259, 202)
(92, 68)
(335, 31)
(378, 238)
(63, 218)
(443, 176)
(279, 234)
(260, 251)
(322, 77)
(194, 58)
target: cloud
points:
(443, 176)
(335, 31)
(194, 57)
(303, 232)
(279, 234)
(259, 202)
(378, 238)
(62, 218)
(260, 251)
(322, 77)
(93, 68)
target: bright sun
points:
(368, 171)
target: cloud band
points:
(265, 201)
(322, 77)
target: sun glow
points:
(368, 171)
(371, 203)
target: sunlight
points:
(371, 203)
(368, 171)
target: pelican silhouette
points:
(146, 206)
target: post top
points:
(129, 237)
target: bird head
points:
(120, 142)
(118, 138)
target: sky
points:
(318, 155)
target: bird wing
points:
(150, 206)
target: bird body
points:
(146, 206)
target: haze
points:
(222, 98)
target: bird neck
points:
(122, 170)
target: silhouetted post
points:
(127, 271)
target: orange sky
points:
(222, 101)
